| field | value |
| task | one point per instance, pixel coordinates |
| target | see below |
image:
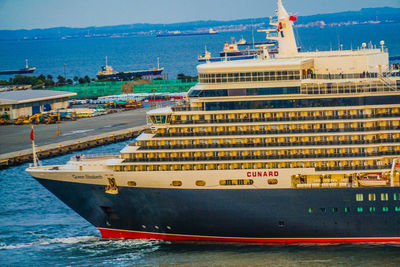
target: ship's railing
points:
(294, 118)
(354, 168)
(318, 156)
(341, 76)
(78, 157)
(280, 144)
(282, 131)
(348, 88)
(186, 108)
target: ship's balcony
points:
(317, 156)
(279, 131)
(355, 168)
(288, 118)
(271, 144)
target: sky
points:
(32, 14)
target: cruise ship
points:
(301, 147)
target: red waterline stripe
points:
(126, 234)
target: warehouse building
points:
(28, 102)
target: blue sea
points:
(176, 54)
(36, 229)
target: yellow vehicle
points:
(21, 120)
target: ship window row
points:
(303, 103)
(358, 209)
(383, 197)
(350, 88)
(271, 141)
(245, 92)
(285, 116)
(356, 165)
(237, 182)
(281, 129)
(249, 76)
(264, 154)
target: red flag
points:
(279, 26)
(32, 135)
(293, 18)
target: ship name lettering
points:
(86, 176)
(93, 176)
(262, 174)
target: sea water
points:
(80, 57)
(36, 229)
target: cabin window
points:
(323, 210)
(359, 209)
(334, 210)
(385, 209)
(200, 183)
(371, 197)
(397, 208)
(359, 197)
(176, 183)
(396, 196)
(384, 196)
(346, 210)
(131, 183)
(236, 182)
(310, 210)
(371, 209)
(272, 181)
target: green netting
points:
(97, 89)
(93, 89)
(165, 86)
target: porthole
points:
(200, 183)
(131, 183)
(176, 183)
(272, 181)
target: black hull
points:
(257, 213)
(20, 71)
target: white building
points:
(29, 102)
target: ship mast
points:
(286, 39)
(285, 35)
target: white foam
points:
(64, 240)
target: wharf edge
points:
(56, 149)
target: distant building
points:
(29, 102)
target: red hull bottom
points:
(125, 234)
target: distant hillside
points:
(376, 15)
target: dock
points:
(65, 147)
(16, 147)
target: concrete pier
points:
(16, 147)
(51, 150)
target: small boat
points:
(20, 71)
(108, 72)
(232, 52)
(372, 179)
(207, 57)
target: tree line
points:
(43, 81)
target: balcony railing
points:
(281, 119)
(279, 144)
(277, 132)
(266, 157)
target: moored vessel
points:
(276, 149)
(19, 71)
(108, 72)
